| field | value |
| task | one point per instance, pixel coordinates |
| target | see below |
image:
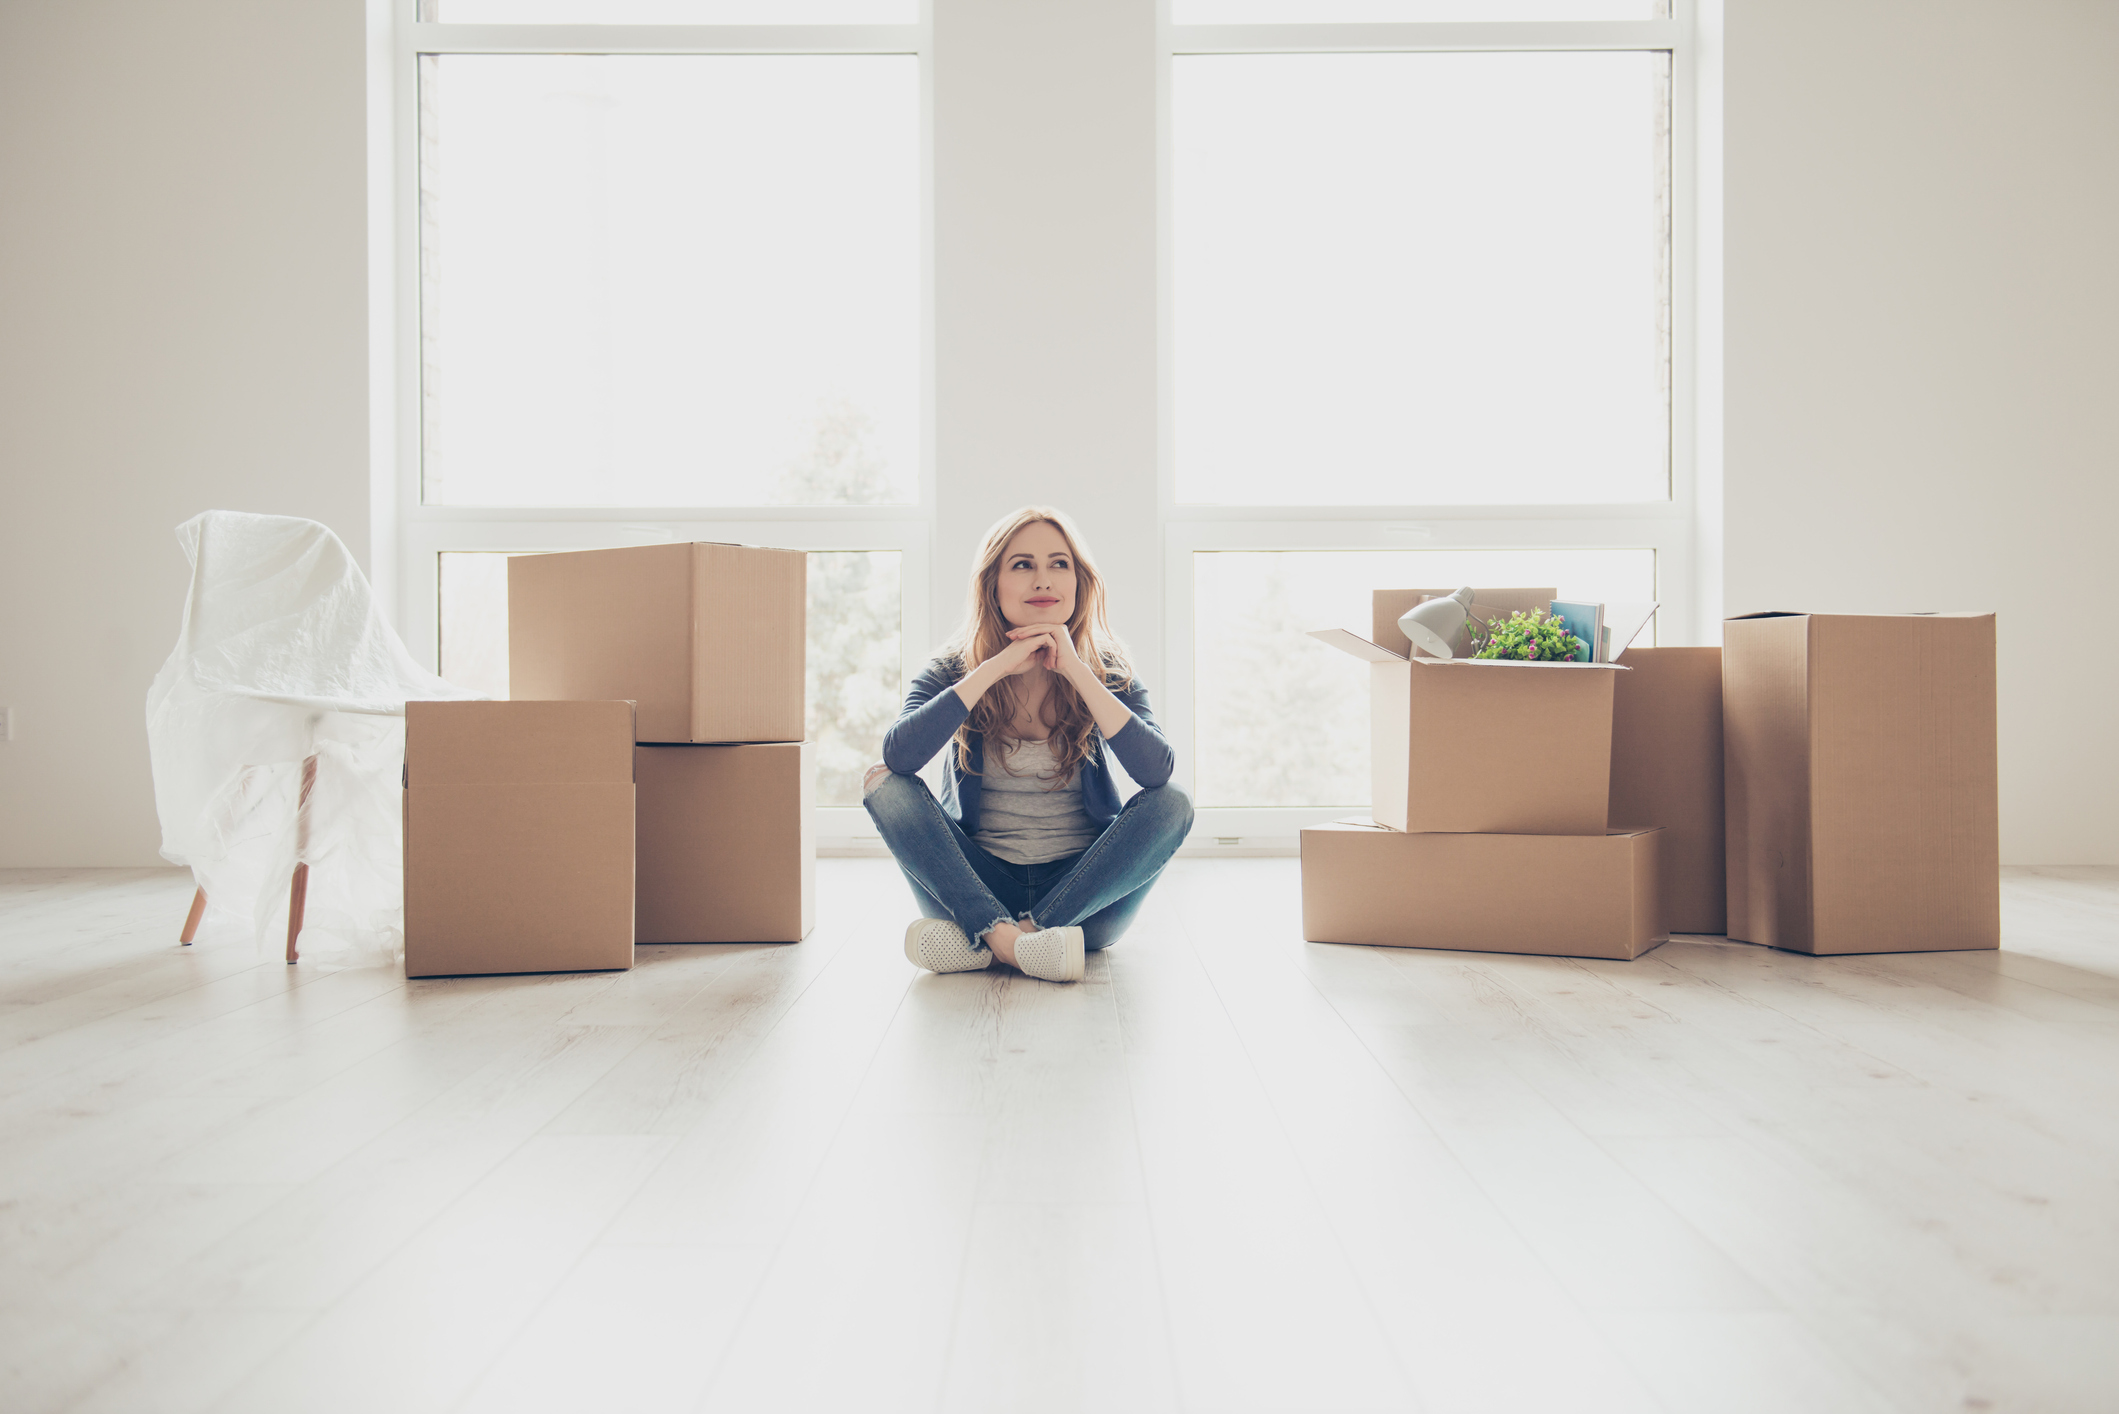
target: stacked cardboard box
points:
(708, 640)
(1491, 785)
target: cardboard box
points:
(518, 837)
(727, 853)
(1556, 895)
(1666, 769)
(707, 639)
(1387, 606)
(1486, 746)
(1860, 769)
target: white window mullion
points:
(442, 38)
(1433, 38)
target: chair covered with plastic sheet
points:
(276, 734)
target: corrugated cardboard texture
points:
(1863, 812)
(1905, 841)
(1593, 895)
(749, 619)
(605, 624)
(1666, 769)
(708, 639)
(726, 850)
(1495, 748)
(488, 743)
(518, 824)
(518, 878)
(1387, 606)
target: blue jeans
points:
(1098, 890)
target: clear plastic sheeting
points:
(283, 657)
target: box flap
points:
(491, 743)
(1347, 641)
(1905, 614)
(1623, 623)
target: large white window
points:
(1423, 293)
(1426, 324)
(663, 276)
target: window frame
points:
(423, 532)
(1684, 531)
(1678, 529)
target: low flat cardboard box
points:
(707, 639)
(1486, 747)
(1553, 895)
(1666, 769)
(518, 837)
(727, 851)
(1861, 776)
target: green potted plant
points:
(1535, 637)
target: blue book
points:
(1585, 622)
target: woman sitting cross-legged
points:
(1028, 857)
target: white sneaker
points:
(940, 946)
(1054, 954)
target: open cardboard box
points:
(707, 638)
(1483, 746)
(1558, 895)
(1862, 781)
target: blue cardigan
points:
(933, 712)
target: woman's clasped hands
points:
(1048, 646)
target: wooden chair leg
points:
(297, 899)
(191, 921)
(298, 891)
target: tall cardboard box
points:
(1666, 769)
(708, 639)
(1862, 781)
(727, 853)
(518, 837)
(1556, 895)
(1493, 747)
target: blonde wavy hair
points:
(985, 632)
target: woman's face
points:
(1037, 577)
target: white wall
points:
(183, 326)
(1922, 299)
(1044, 237)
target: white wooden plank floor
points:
(1228, 1172)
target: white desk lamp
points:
(1432, 625)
